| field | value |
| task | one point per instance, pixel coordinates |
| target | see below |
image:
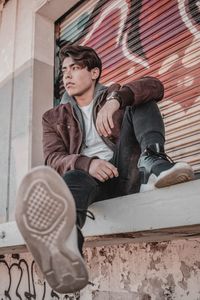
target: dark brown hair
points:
(83, 56)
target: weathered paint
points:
(153, 271)
(146, 271)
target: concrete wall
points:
(23, 70)
(154, 271)
(16, 98)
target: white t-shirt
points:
(95, 146)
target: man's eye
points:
(76, 67)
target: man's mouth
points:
(69, 84)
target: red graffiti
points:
(157, 38)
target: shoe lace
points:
(162, 155)
(86, 212)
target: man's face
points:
(76, 79)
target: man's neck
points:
(86, 99)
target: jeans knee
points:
(80, 178)
(72, 174)
(84, 189)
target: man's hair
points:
(83, 56)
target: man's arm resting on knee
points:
(133, 93)
(139, 91)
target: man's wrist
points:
(114, 96)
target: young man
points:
(100, 142)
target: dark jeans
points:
(141, 127)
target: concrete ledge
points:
(157, 215)
(175, 206)
(10, 238)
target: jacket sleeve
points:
(56, 154)
(141, 91)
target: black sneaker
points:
(46, 216)
(157, 170)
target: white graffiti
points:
(124, 11)
(118, 4)
(131, 56)
(186, 20)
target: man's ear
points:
(95, 73)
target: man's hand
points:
(104, 122)
(102, 170)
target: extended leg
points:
(46, 217)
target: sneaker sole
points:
(45, 215)
(179, 173)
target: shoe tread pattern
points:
(178, 174)
(42, 211)
(50, 239)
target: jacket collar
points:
(99, 89)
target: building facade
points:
(133, 38)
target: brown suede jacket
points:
(63, 127)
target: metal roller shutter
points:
(136, 38)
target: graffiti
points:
(21, 279)
(140, 38)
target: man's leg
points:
(46, 217)
(85, 190)
(140, 156)
(155, 167)
(126, 155)
(141, 126)
(50, 213)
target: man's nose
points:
(67, 74)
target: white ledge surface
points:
(171, 207)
